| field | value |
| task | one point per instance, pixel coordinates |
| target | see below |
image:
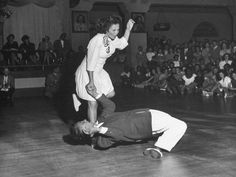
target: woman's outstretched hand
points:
(130, 24)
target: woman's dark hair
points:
(80, 135)
(25, 37)
(218, 74)
(103, 24)
(10, 35)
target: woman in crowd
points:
(189, 81)
(10, 50)
(90, 75)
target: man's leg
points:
(173, 129)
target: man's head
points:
(6, 71)
(84, 127)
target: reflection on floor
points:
(31, 142)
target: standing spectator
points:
(7, 87)
(61, 47)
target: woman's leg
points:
(92, 111)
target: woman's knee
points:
(111, 94)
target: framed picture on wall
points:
(139, 18)
(79, 21)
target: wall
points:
(37, 21)
(183, 24)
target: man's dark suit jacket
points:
(61, 51)
(129, 126)
(10, 81)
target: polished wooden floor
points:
(31, 143)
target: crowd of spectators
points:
(207, 67)
(27, 53)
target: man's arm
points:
(104, 142)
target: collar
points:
(97, 124)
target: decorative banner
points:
(205, 29)
(161, 27)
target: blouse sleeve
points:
(121, 43)
(93, 52)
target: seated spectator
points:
(52, 83)
(170, 55)
(215, 52)
(206, 53)
(225, 60)
(189, 82)
(126, 79)
(10, 50)
(232, 87)
(159, 58)
(149, 55)
(154, 82)
(45, 50)
(209, 85)
(138, 75)
(224, 49)
(163, 80)
(27, 50)
(199, 81)
(197, 53)
(175, 81)
(146, 81)
(224, 83)
(176, 61)
(7, 87)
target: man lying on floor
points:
(132, 126)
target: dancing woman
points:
(90, 75)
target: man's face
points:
(6, 71)
(84, 127)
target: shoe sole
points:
(153, 153)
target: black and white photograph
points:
(79, 21)
(129, 88)
(139, 19)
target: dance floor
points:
(31, 143)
